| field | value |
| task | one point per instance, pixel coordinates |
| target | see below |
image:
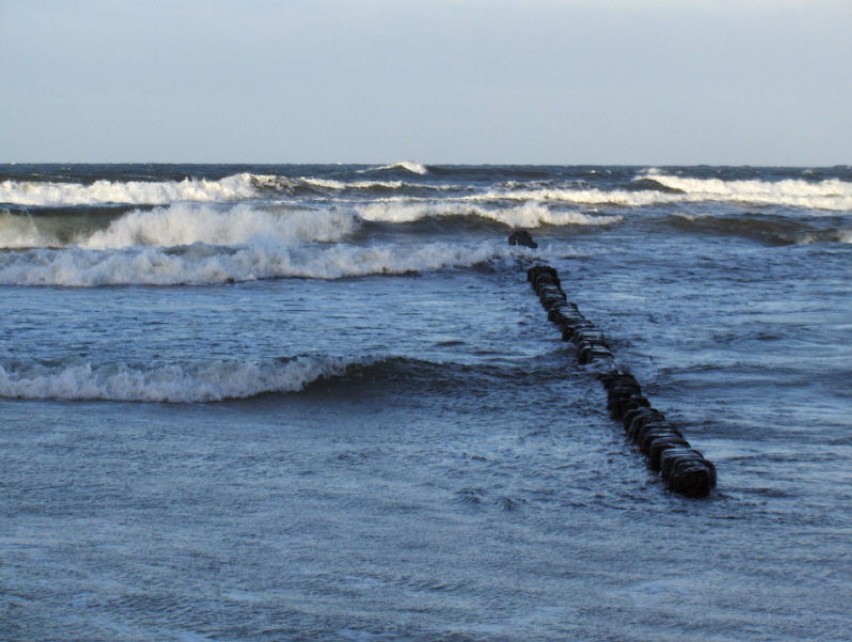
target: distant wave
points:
(232, 189)
(653, 189)
(365, 186)
(527, 215)
(184, 224)
(201, 264)
(176, 225)
(831, 194)
(331, 184)
(188, 224)
(409, 166)
(34, 193)
(770, 229)
(183, 383)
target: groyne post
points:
(683, 469)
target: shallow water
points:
(367, 429)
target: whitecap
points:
(410, 166)
(201, 264)
(185, 383)
(40, 194)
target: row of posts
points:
(683, 469)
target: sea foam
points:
(206, 382)
(829, 195)
(832, 194)
(32, 193)
(182, 224)
(201, 264)
(409, 166)
(186, 224)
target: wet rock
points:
(661, 444)
(590, 351)
(551, 297)
(539, 270)
(616, 379)
(562, 312)
(522, 238)
(545, 274)
(685, 471)
(638, 429)
(623, 393)
(650, 434)
(590, 334)
(637, 417)
(620, 403)
(569, 330)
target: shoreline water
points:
(331, 409)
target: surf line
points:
(683, 469)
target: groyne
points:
(683, 469)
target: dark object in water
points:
(685, 471)
(682, 468)
(650, 185)
(522, 237)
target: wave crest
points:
(530, 215)
(188, 383)
(661, 189)
(209, 265)
(408, 166)
(831, 194)
(42, 194)
(179, 224)
(187, 224)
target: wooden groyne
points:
(683, 469)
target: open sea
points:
(322, 402)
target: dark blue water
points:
(323, 403)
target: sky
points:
(663, 82)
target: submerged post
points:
(683, 469)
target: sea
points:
(322, 402)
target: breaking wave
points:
(238, 379)
(655, 188)
(529, 215)
(40, 194)
(184, 224)
(179, 224)
(201, 264)
(187, 225)
(187, 383)
(232, 189)
(831, 194)
(408, 166)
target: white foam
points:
(411, 166)
(832, 194)
(232, 188)
(577, 196)
(187, 383)
(201, 264)
(22, 231)
(186, 224)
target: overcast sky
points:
(763, 82)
